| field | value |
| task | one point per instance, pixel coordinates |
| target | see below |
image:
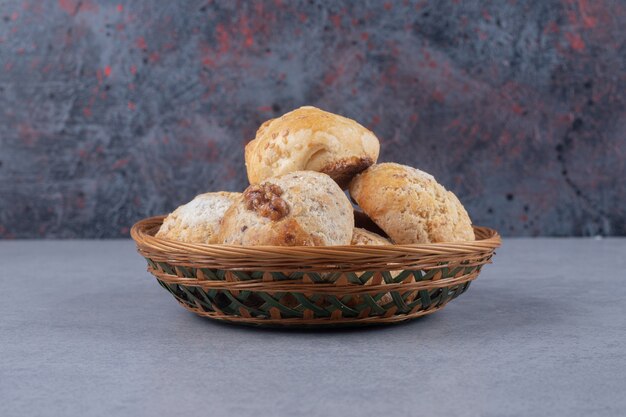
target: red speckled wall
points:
(113, 111)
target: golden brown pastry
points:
(310, 139)
(410, 206)
(361, 221)
(197, 221)
(365, 237)
(302, 208)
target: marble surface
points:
(112, 111)
(86, 331)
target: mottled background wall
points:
(115, 110)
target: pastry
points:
(410, 206)
(302, 208)
(361, 221)
(365, 237)
(310, 139)
(197, 221)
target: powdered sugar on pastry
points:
(199, 220)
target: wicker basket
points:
(313, 286)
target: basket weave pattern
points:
(318, 286)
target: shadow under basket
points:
(313, 286)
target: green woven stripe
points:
(340, 304)
(259, 304)
(306, 303)
(271, 302)
(373, 303)
(209, 274)
(236, 304)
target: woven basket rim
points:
(145, 229)
(348, 257)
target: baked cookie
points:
(199, 220)
(365, 237)
(310, 139)
(302, 208)
(410, 206)
(361, 221)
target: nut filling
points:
(344, 170)
(265, 200)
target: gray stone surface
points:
(111, 111)
(85, 331)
